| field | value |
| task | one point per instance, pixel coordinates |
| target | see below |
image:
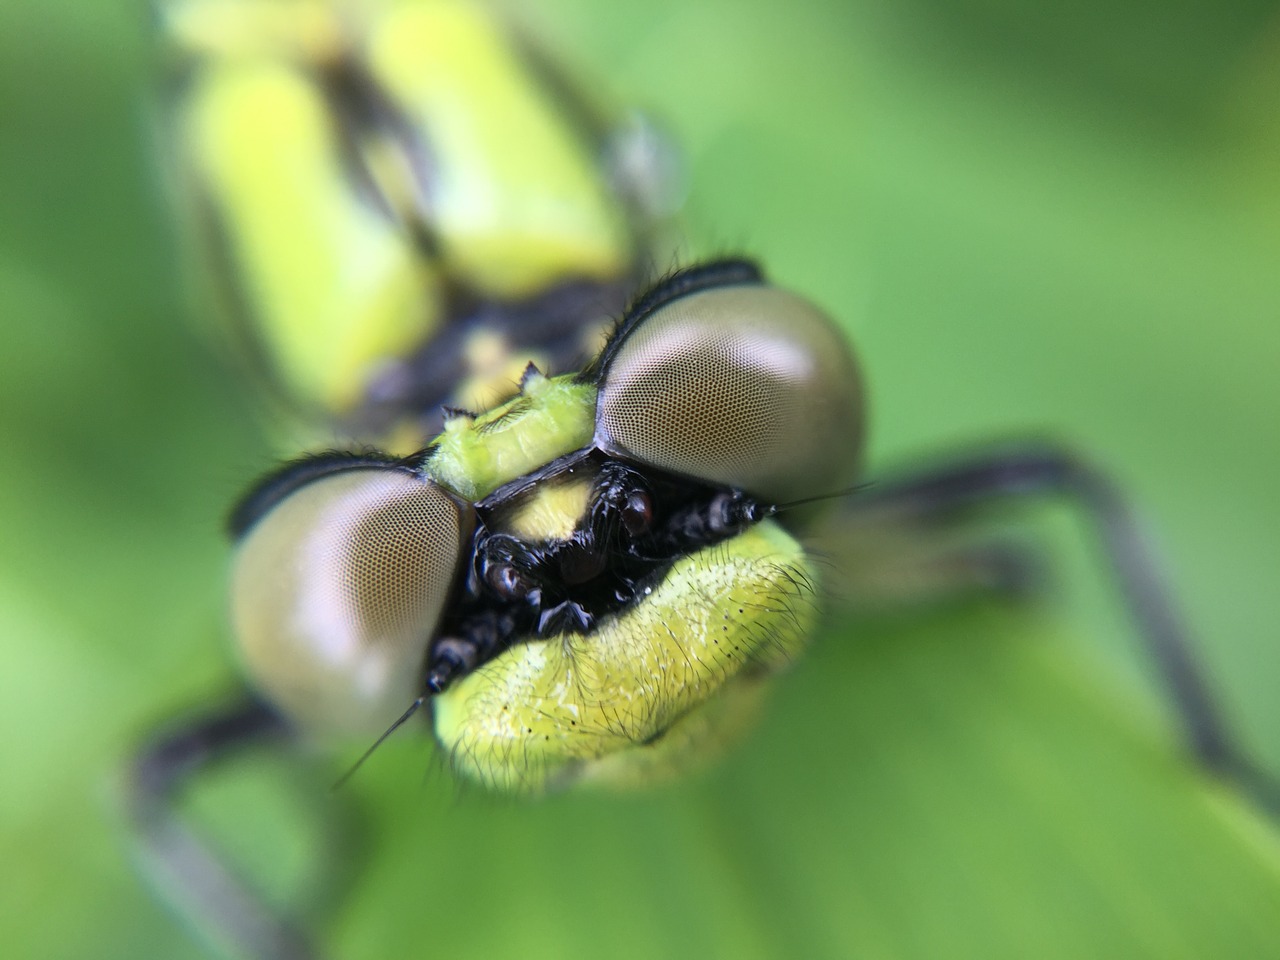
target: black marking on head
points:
(268, 491)
(519, 407)
(553, 468)
(531, 372)
(457, 413)
(730, 272)
(520, 590)
(554, 324)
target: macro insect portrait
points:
(706, 480)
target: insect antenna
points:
(818, 498)
(351, 772)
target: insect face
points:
(578, 573)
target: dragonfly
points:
(582, 509)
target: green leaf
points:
(1031, 223)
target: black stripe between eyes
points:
(730, 272)
(289, 477)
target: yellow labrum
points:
(552, 510)
(640, 696)
(515, 193)
(331, 284)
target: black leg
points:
(190, 873)
(996, 476)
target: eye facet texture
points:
(743, 386)
(336, 593)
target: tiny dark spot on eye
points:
(740, 610)
(573, 723)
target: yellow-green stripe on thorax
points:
(357, 164)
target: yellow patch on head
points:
(551, 512)
(475, 457)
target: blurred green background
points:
(1034, 218)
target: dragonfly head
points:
(591, 578)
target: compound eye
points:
(337, 591)
(742, 386)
